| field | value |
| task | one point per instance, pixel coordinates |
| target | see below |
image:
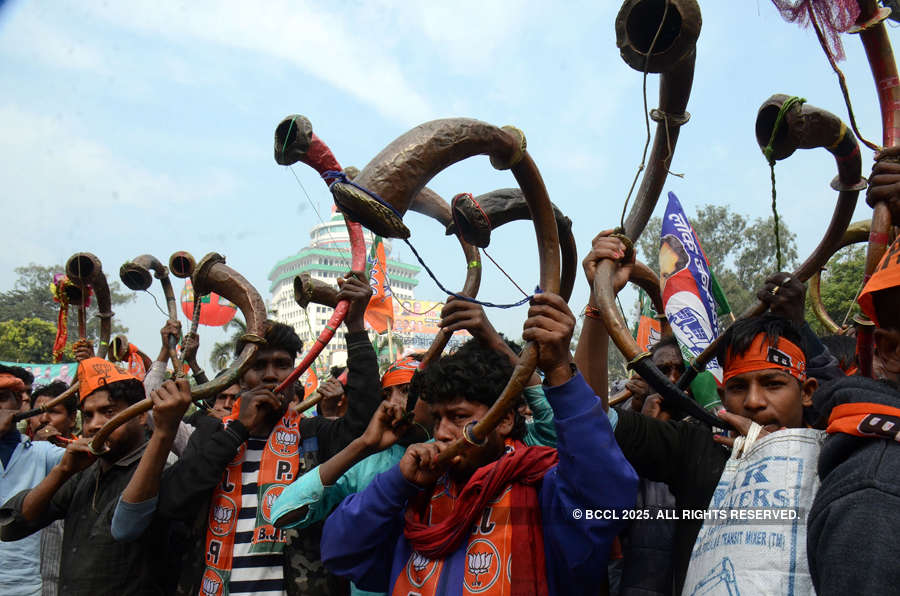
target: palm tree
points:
(223, 352)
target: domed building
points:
(326, 258)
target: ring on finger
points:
(774, 290)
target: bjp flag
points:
(311, 382)
(648, 330)
(380, 312)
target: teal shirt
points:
(321, 500)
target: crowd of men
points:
(565, 496)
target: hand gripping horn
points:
(401, 171)
(675, 26)
(805, 127)
(295, 141)
(135, 274)
(856, 233)
(475, 217)
(84, 269)
(211, 275)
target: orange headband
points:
(885, 276)
(400, 372)
(787, 356)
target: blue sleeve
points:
(131, 519)
(52, 454)
(592, 474)
(359, 537)
(541, 431)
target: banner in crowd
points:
(215, 310)
(416, 322)
(688, 297)
(44, 374)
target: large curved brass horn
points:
(401, 171)
(295, 141)
(857, 232)
(135, 274)
(805, 127)
(671, 29)
(880, 55)
(84, 269)
(475, 217)
(211, 275)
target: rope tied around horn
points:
(335, 177)
(768, 152)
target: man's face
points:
(225, 401)
(97, 409)
(451, 418)
(396, 394)
(770, 397)
(10, 400)
(269, 369)
(669, 361)
(57, 417)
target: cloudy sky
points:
(136, 127)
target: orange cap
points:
(400, 372)
(886, 275)
(96, 373)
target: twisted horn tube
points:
(402, 170)
(675, 26)
(295, 141)
(857, 232)
(211, 275)
(84, 269)
(475, 218)
(805, 127)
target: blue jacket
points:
(363, 539)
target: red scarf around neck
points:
(523, 468)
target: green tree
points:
(28, 340)
(383, 352)
(30, 297)
(841, 282)
(741, 252)
(222, 353)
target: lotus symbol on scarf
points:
(286, 438)
(478, 564)
(222, 514)
(419, 561)
(211, 586)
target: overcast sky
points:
(146, 127)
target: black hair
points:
(278, 336)
(886, 309)
(841, 347)
(18, 372)
(130, 391)
(666, 341)
(738, 338)
(474, 372)
(55, 389)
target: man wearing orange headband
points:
(852, 540)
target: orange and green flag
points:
(380, 312)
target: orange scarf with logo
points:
(505, 554)
(863, 419)
(278, 467)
